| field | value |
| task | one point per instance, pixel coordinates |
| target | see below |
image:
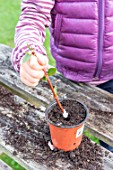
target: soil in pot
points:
(76, 113)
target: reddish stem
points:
(51, 86)
(54, 94)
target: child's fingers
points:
(42, 59)
(25, 81)
(40, 74)
(29, 70)
(30, 74)
(33, 62)
(25, 75)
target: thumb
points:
(42, 59)
(33, 61)
(34, 64)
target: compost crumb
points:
(29, 136)
(76, 113)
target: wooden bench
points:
(98, 101)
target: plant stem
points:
(51, 86)
(54, 94)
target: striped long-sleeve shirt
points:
(30, 30)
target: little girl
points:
(81, 40)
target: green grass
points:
(11, 162)
(93, 138)
(47, 46)
(9, 14)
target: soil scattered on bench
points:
(29, 136)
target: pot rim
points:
(65, 126)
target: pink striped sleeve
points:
(35, 16)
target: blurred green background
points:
(9, 15)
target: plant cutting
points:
(50, 72)
(66, 125)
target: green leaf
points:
(44, 78)
(51, 71)
(26, 57)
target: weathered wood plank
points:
(22, 93)
(4, 166)
(93, 97)
(28, 165)
(6, 113)
(31, 165)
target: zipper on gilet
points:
(101, 16)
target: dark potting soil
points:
(29, 136)
(76, 113)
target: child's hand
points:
(32, 71)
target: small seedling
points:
(50, 72)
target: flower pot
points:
(66, 137)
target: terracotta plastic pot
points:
(66, 138)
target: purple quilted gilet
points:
(82, 39)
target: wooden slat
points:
(32, 165)
(93, 97)
(4, 166)
(22, 93)
(28, 165)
